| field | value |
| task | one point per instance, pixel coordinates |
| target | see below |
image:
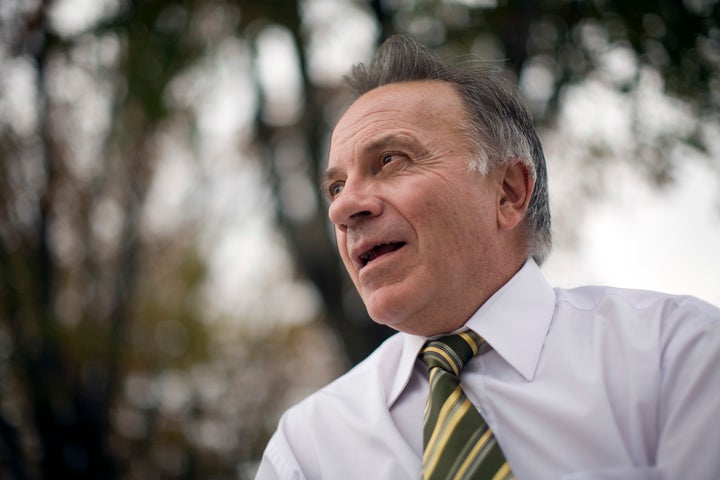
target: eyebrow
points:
(326, 179)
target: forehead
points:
(413, 107)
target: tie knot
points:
(451, 353)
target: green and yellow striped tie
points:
(458, 444)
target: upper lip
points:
(359, 253)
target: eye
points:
(334, 189)
(386, 158)
(396, 159)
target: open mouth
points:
(378, 251)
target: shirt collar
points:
(514, 321)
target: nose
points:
(353, 206)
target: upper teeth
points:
(367, 256)
(377, 250)
(371, 254)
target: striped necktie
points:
(458, 444)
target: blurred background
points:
(168, 279)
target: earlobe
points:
(515, 189)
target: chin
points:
(394, 311)
(383, 308)
(414, 311)
(403, 299)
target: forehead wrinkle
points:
(363, 121)
(388, 139)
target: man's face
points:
(416, 230)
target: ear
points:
(515, 189)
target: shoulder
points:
(331, 415)
(644, 302)
(670, 319)
(362, 387)
(591, 296)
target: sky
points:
(613, 226)
(640, 237)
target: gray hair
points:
(500, 129)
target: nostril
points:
(363, 213)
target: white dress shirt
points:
(590, 383)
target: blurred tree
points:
(107, 366)
(556, 44)
(70, 249)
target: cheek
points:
(452, 226)
(341, 240)
(442, 216)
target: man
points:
(437, 189)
